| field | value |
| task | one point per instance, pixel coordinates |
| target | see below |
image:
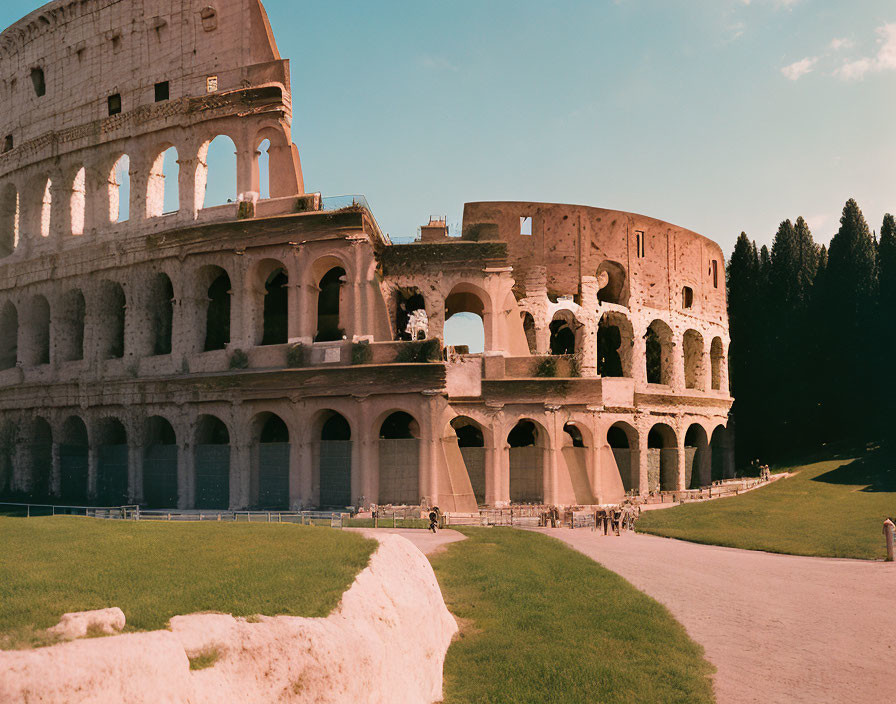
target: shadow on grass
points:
(874, 471)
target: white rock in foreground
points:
(384, 643)
(76, 624)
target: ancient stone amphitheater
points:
(258, 353)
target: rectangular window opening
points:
(40, 85)
(7, 144)
(687, 297)
(526, 225)
(715, 273)
(114, 104)
(161, 91)
(639, 244)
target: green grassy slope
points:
(154, 571)
(833, 509)
(543, 623)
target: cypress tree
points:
(887, 265)
(887, 308)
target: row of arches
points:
(41, 333)
(119, 188)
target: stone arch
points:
(658, 357)
(269, 479)
(615, 342)
(111, 462)
(624, 442)
(529, 332)
(211, 460)
(36, 350)
(74, 450)
(46, 207)
(40, 455)
(471, 436)
(696, 457)
(9, 219)
(214, 305)
(160, 463)
(78, 202)
(163, 182)
(219, 185)
(662, 458)
(272, 302)
(720, 449)
(406, 300)
(399, 455)
(111, 307)
(575, 449)
(717, 359)
(566, 333)
(612, 283)
(694, 355)
(334, 462)
(263, 168)
(469, 302)
(69, 329)
(9, 336)
(281, 169)
(330, 304)
(527, 441)
(160, 306)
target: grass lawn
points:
(833, 509)
(543, 623)
(154, 571)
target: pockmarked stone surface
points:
(778, 628)
(78, 624)
(385, 643)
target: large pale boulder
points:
(77, 624)
(384, 643)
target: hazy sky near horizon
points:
(717, 115)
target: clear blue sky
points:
(717, 115)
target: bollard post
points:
(889, 528)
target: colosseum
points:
(278, 350)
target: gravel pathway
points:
(778, 628)
(426, 541)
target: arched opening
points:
(8, 439)
(264, 169)
(78, 203)
(659, 353)
(471, 442)
(575, 455)
(37, 347)
(614, 345)
(328, 305)
(411, 322)
(716, 356)
(465, 314)
(623, 441)
(159, 464)
(694, 371)
(9, 220)
(161, 313)
(110, 329)
(212, 464)
(162, 188)
(269, 487)
(46, 208)
(399, 451)
(9, 336)
(73, 465)
(275, 306)
(335, 464)
(41, 456)
(612, 283)
(529, 331)
(215, 318)
(565, 333)
(696, 458)
(216, 172)
(526, 442)
(662, 459)
(719, 449)
(120, 190)
(70, 328)
(112, 463)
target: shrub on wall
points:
(362, 353)
(425, 351)
(239, 360)
(546, 367)
(295, 356)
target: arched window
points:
(696, 458)
(41, 456)
(73, 461)
(163, 188)
(662, 458)
(465, 319)
(623, 442)
(717, 356)
(9, 220)
(120, 190)
(9, 336)
(659, 353)
(160, 464)
(612, 283)
(110, 330)
(161, 313)
(264, 169)
(335, 466)
(526, 463)
(529, 330)
(275, 308)
(112, 463)
(694, 374)
(214, 322)
(614, 346)
(270, 479)
(69, 337)
(46, 209)
(216, 172)
(212, 463)
(328, 305)
(37, 349)
(78, 204)
(719, 447)
(407, 301)
(399, 454)
(565, 333)
(471, 442)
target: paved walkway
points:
(778, 628)
(426, 541)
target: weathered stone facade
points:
(253, 354)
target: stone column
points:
(188, 196)
(681, 460)
(639, 354)
(242, 334)
(186, 473)
(135, 472)
(643, 461)
(306, 471)
(56, 472)
(60, 208)
(677, 356)
(246, 173)
(139, 176)
(92, 467)
(588, 353)
(240, 474)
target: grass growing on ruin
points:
(154, 571)
(543, 623)
(832, 509)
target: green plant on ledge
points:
(239, 360)
(420, 352)
(362, 353)
(295, 356)
(546, 367)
